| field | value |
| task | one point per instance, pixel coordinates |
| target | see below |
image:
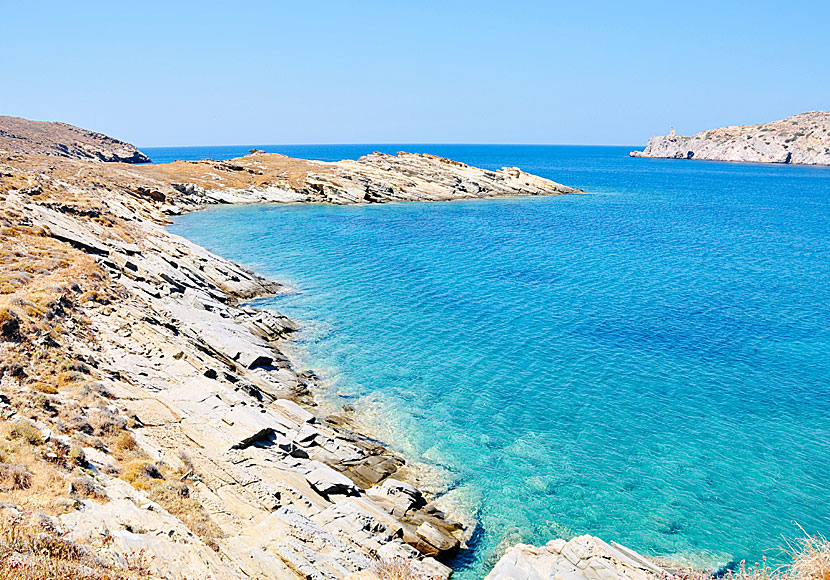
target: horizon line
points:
(390, 143)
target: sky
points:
(352, 71)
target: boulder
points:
(326, 481)
(397, 496)
(582, 558)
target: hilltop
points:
(800, 139)
(19, 135)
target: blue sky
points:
(198, 73)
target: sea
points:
(648, 363)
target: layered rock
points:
(800, 139)
(60, 139)
(198, 375)
(375, 178)
(582, 558)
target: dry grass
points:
(125, 442)
(23, 431)
(164, 486)
(809, 560)
(31, 548)
(397, 569)
(14, 477)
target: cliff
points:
(800, 139)
(62, 140)
(150, 423)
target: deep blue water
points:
(649, 364)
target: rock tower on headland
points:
(801, 139)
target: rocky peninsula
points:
(151, 425)
(801, 139)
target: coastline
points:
(199, 381)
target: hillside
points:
(62, 140)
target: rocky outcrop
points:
(582, 558)
(375, 178)
(49, 138)
(800, 139)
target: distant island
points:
(801, 139)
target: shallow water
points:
(649, 364)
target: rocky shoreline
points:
(799, 140)
(148, 411)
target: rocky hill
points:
(800, 139)
(48, 138)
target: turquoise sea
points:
(649, 364)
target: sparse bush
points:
(141, 474)
(75, 421)
(24, 431)
(105, 422)
(14, 476)
(810, 558)
(187, 462)
(45, 388)
(68, 378)
(397, 569)
(86, 487)
(76, 455)
(32, 548)
(125, 442)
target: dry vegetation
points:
(53, 403)
(31, 548)
(809, 560)
(397, 569)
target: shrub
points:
(76, 455)
(84, 486)
(105, 422)
(15, 476)
(31, 548)
(68, 378)
(24, 431)
(141, 474)
(810, 558)
(397, 569)
(187, 462)
(9, 324)
(126, 442)
(45, 388)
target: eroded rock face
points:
(801, 139)
(19, 135)
(582, 558)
